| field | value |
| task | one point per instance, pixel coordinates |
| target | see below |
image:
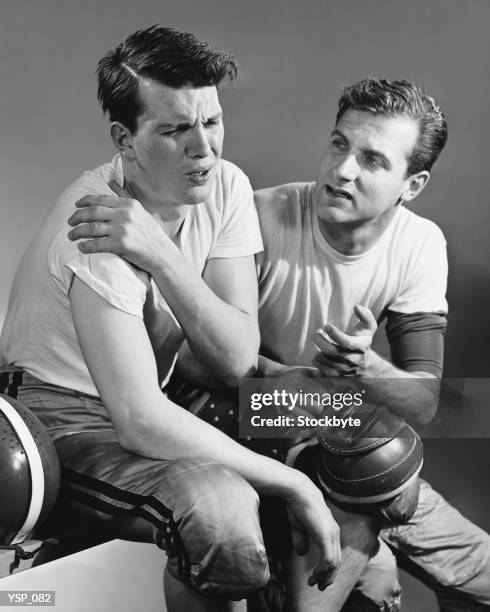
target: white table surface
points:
(115, 576)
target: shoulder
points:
(418, 230)
(232, 177)
(280, 204)
(228, 225)
(91, 182)
(280, 196)
(415, 239)
(64, 256)
(231, 194)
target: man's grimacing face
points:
(362, 172)
(178, 141)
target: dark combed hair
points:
(401, 98)
(172, 58)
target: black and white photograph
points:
(245, 306)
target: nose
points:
(347, 168)
(198, 144)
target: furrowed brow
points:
(185, 124)
(173, 126)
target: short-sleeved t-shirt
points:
(304, 283)
(39, 333)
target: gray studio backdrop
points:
(294, 56)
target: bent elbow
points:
(242, 364)
(234, 379)
(136, 436)
(131, 442)
(236, 373)
(239, 369)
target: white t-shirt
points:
(304, 283)
(39, 334)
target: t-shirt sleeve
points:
(239, 234)
(426, 279)
(110, 276)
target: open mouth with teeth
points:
(338, 193)
(198, 173)
(199, 176)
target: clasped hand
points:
(343, 354)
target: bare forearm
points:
(175, 433)
(412, 395)
(222, 337)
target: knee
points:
(222, 549)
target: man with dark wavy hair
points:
(401, 99)
(347, 251)
(96, 325)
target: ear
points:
(122, 139)
(415, 185)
